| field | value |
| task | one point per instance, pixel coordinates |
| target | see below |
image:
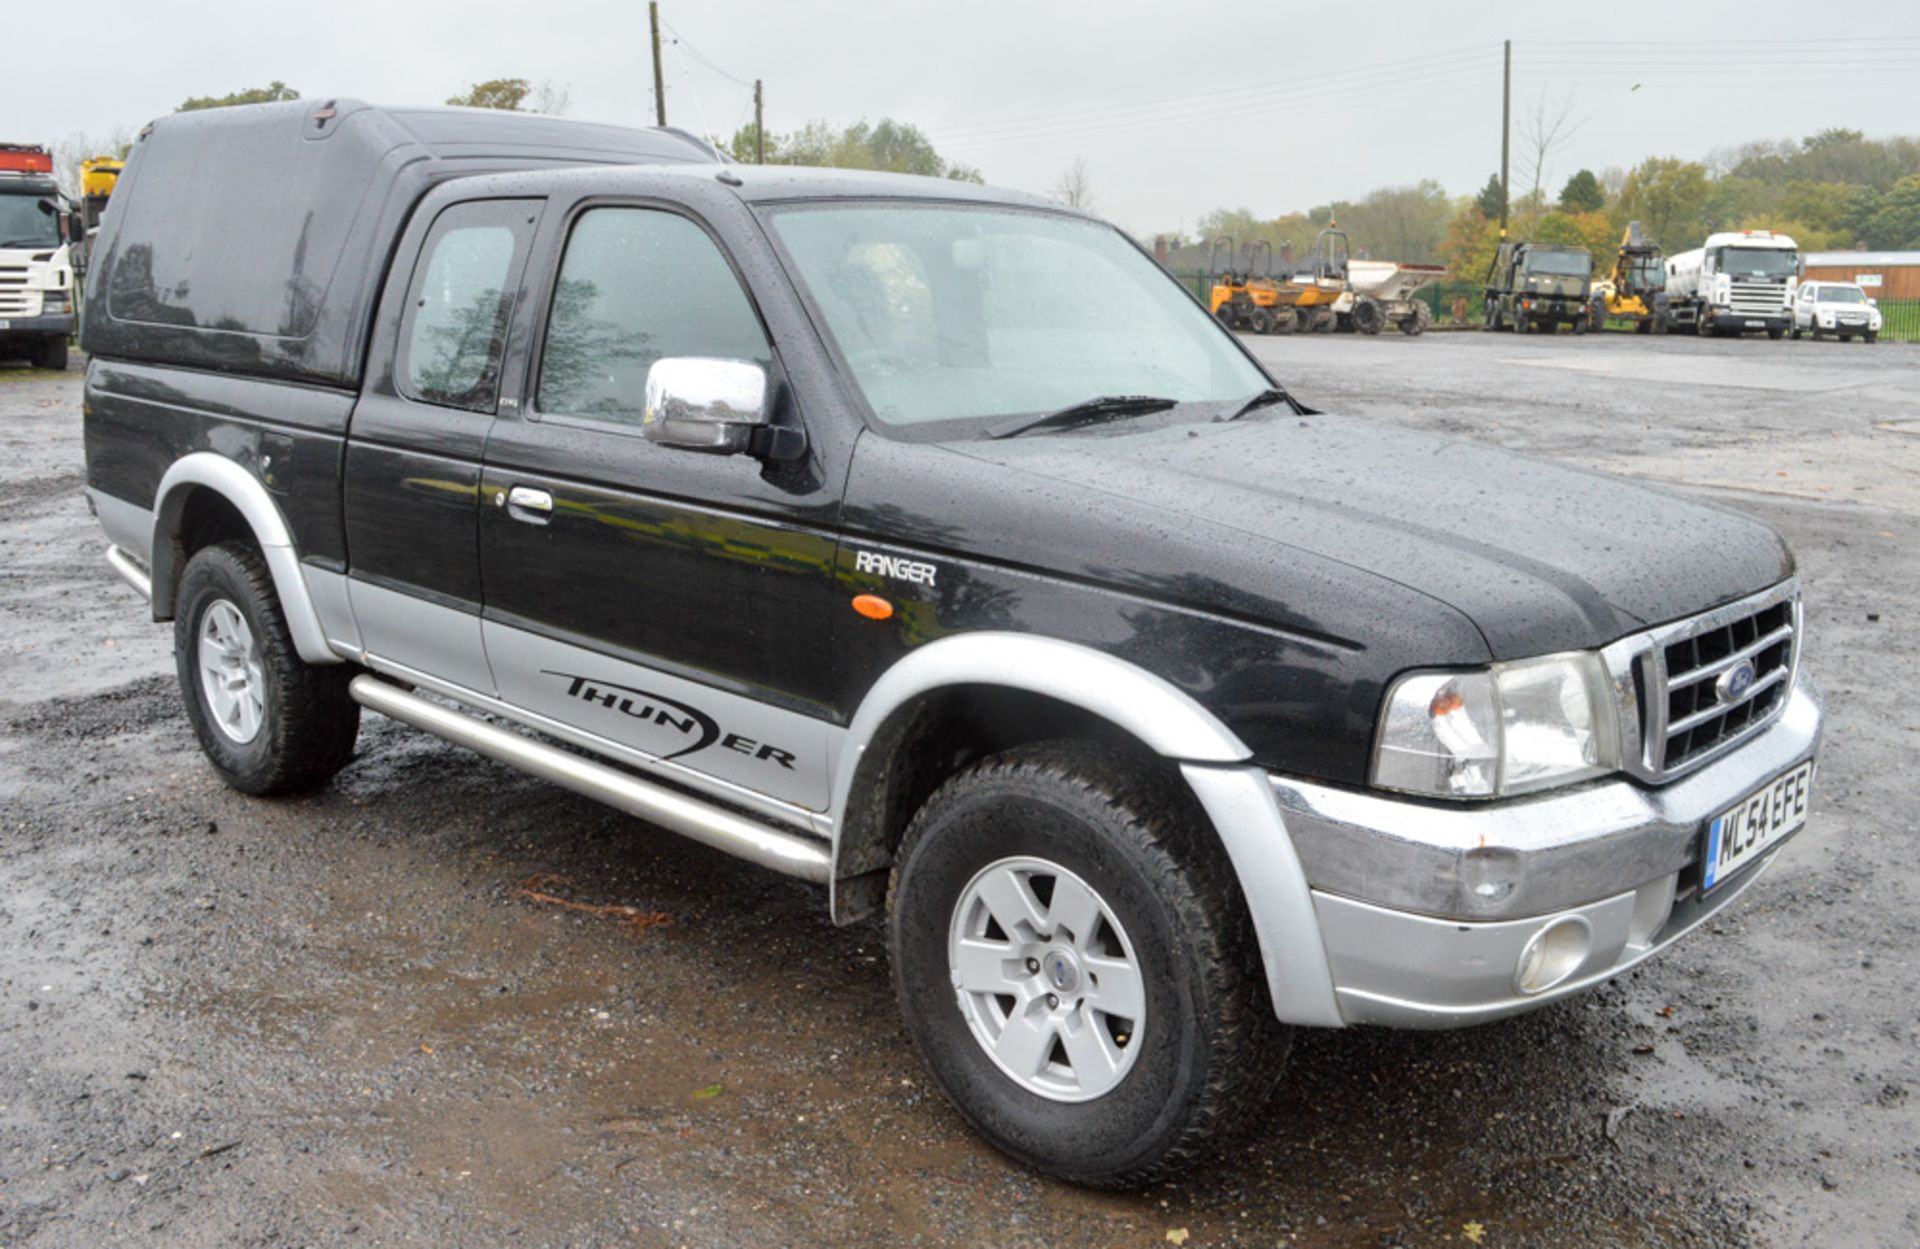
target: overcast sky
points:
(1176, 108)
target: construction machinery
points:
(98, 176)
(1247, 294)
(1636, 290)
(1244, 294)
(1540, 286)
(1381, 293)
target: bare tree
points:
(552, 100)
(1545, 130)
(1075, 188)
(78, 147)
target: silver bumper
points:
(1425, 910)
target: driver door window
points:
(638, 285)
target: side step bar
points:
(713, 826)
(130, 572)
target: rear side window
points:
(638, 285)
(455, 328)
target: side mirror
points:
(699, 403)
(76, 227)
(1873, 303)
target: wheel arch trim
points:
(1234, 792)
(226, 478)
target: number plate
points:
(1756, 325)
(1742, 835)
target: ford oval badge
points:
(1735, 682)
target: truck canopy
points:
(255, 239)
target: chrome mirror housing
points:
(700, 403)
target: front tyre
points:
(1076, 968)
(268, 721)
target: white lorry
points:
(1739, 281)
(36, 264)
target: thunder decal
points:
(698, 728)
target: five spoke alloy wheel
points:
(1047, 979)
(231, 675)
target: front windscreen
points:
(955, 313)
(1648, 273)
(23, 223)
(1842, 295)
(1559, 264)
(1758, 262)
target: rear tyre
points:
(1285, 320)
(1260, 321)
(268, 721)
(1416, 323)
(1076, 967)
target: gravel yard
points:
(427, 1004)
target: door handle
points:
(526, 503)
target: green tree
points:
(1559, 229)
(269, 94)
(1669, 196)
(1490, 198)
(1582, 194)
(1405, 223)
(1895, 221)
(1470, 243)
(507, 94)
(888, 146)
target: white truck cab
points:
(1842, 309)
(36, 269)
(1738, 282)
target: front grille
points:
(1699, 703)
(1762, 299)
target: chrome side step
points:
(130, 572)
(710, 825)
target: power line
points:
(1287, 86)
(681, 41)
(1292, 101)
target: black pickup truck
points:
(929, 543)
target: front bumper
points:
(1425, 908)
(59, 324)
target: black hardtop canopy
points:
(254, 239)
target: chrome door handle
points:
(526, 503)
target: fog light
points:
(1554, 953)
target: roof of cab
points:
(763, 184)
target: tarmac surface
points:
(370, 1016)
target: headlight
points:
(1503, 730)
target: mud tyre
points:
(1369, 317)
(1204, 1050)
(268, 721)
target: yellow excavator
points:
(1636, 290)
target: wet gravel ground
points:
(345, 1019)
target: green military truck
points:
(1539, 286)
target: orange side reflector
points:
(872, 606)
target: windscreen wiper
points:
(1104, 408)
(1258, 400)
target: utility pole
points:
(759, 125)
(1506, 121)
(659, 88)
